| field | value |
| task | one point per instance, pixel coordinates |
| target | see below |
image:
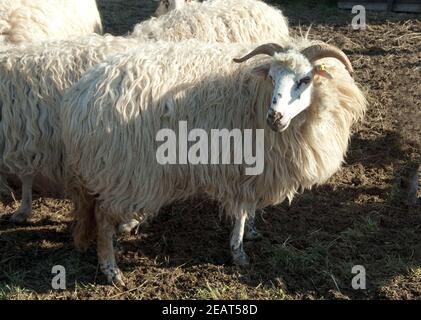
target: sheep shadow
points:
(379, 151)
(324, 232)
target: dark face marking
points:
(305, 80)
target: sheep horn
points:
(324, 50)
(269, 49)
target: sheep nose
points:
(274, 119)
(274, 115)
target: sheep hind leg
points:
(239, 257)
(105, 249)
(25, 209)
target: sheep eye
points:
(305, 80)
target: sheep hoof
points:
(128, 227)
(115, 276)
(241, 259)
(118, 280)
(19, 217)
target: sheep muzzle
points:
(274, 120)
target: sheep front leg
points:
(251, 232)
(105, 249)
(237, 250)
(25, 209)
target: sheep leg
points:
(25, 209)
(105, 249)
(237, 250)
(251, 233)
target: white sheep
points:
(25, 21)
(112, 118)
(29, 21)
(248, 21)
(166, 6)
(32, 82)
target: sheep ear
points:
(261, 71)
(321, 70)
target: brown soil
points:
(309, 248)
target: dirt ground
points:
(310, 247)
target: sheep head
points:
(166, 6)
(292, 73)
